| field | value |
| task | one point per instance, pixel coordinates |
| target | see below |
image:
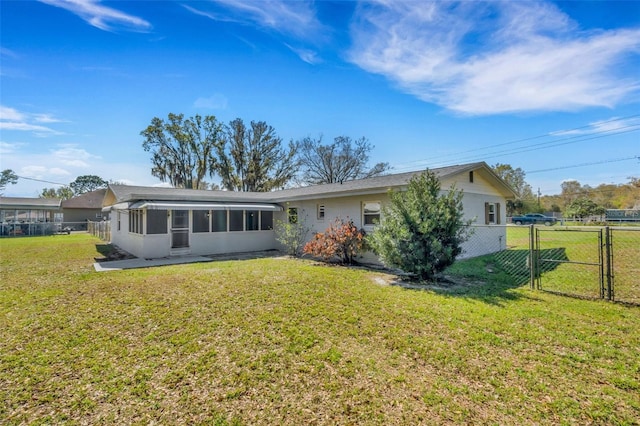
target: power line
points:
(40, 180)
(585, 164)
(553, 144)
(557, 142)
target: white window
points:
(371, 213)
(135, 221)
(492, 213)
(320, 211)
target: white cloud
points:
(287, 17)
(307, 55)
(10, 114)
(102, 17)
(7, 147)
(293, 19)
(46, 118)
(59, 172)
(33, 171)
(614, 124)
(72, 156)
(491, 58)
(215, 101)
(12, 119)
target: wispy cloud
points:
(307, 55)
(296, 18)
(12, 119)
(8, 147)
(102, 17)
(292, 19)
(72, 156)
(7, 52)
(216, 101)
(493, 57)
(42, 172)
(614, 124)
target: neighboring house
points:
(78, 210)
(158, 222)
(29, 216)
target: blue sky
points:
(552, 88)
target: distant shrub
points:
(292, 235)
(342, 239)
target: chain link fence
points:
(33, 229)
(584, 261)
(570, 261)
(625, 264)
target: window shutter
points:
(497, 213)
(486, 213)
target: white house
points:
(154, 222)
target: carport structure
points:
(29, 216)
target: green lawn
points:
(279, 341)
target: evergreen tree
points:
(87, 183)
(7, 177)
(422, 230)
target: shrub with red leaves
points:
(341, 239)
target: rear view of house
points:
(159, 222)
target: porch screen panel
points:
(219, 221)
(157, 222)
(200, 221)
(236, 222)
(180, 219)
(252, 217)
(266, 220)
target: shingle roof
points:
(353, 187)
(369, 185)
(130, 193)
(88, 200)
(29, 203)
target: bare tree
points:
(344, 159)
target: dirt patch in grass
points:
(111, 252)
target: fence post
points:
(532, 259)
(609, 261)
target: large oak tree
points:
(253, 158)
(182, 150)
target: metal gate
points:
(573, 261)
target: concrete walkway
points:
(118, 265)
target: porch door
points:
(179, 228)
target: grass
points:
(280, 341)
